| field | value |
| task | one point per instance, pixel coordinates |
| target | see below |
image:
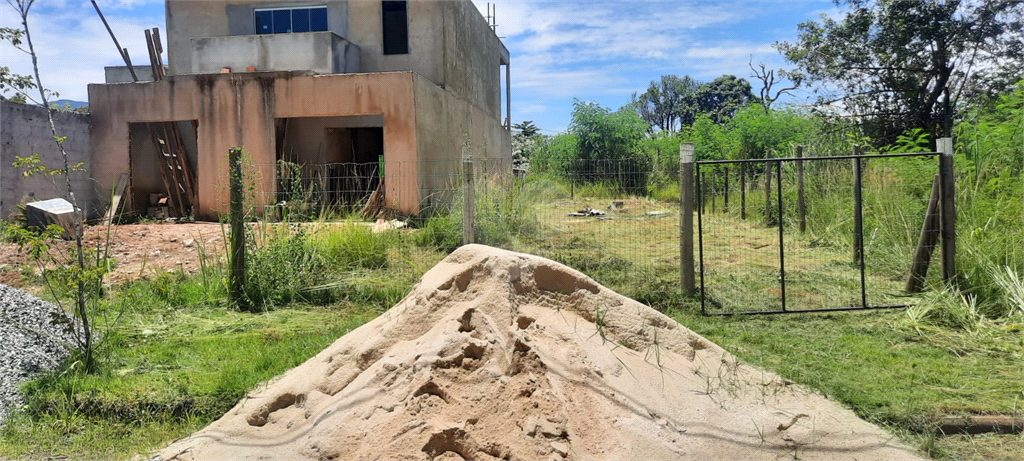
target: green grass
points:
(165, 374)
(179, 358)
(878, 365)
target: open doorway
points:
(161, 164)
(329, 163)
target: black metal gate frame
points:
(782, 253)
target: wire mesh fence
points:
(617, 220)
(862, 222)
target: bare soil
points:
(138, 250)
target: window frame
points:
(387, 51)
(291, 17)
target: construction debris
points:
(54, 211)
(588, 212)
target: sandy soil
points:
(138, 249)
(501, 355)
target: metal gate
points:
(815, 234)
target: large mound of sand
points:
(501, 355)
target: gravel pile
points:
(31, 343)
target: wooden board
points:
(115, 203)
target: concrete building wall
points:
(446, 124)
(24, 131)
(240, 110)
(320, 52)
(450, 43)
(189, 19)
(120, 74)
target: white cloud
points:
(72, 45)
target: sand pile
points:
(501, 355)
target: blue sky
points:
(592, 50)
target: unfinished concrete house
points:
(332, 100)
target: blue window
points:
(282, 21)
(265, 22)
(300, 20)
(318, 19)
(288, 20)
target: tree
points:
(86, 279)
(723, 96)
(668, 104)
(903, 64)
(608, 146)
(757, 131)
(526, 128)
(767, 77)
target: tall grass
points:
(502, 210)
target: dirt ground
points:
(137, 250)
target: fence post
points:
(237, 283)
(467, 199)
(801, 205)
(926, 242)
(703, 192)
(743, 191)
(858, 210)
(726, 191)
(767, 190)
(947, 209)
(714, 187)
(686, 218)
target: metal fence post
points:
(858, 210)
(767, 190)
(801, 205)
(686, 218)
(467, 200)
(743, 191)
(947, 209)
(858, 224)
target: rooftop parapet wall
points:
(319, 52)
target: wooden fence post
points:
(926, 242)
(947, 213)
(686, 202)
(858, 210)
(237, 282)
(801, 205)
(467, 200)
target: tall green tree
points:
(669, 103)
(720, 98)
(894, 65)
(608, 146)
(526, 128)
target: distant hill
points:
(74, 104)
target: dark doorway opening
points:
(162, 174)
(328, 163)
